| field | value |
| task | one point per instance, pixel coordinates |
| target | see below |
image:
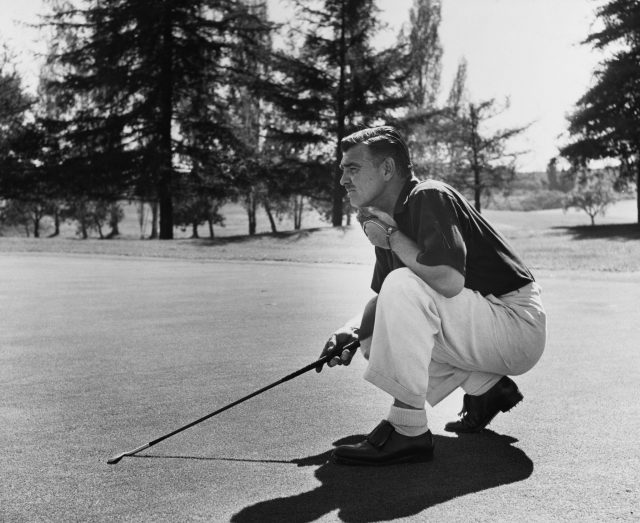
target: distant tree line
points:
(189, 104)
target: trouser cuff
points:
(394, 389)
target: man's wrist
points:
(390, 231)
(350, 327)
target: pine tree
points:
(421, 39)
(15, 134)
(336, 82)
(141, 65)
(425, 52)
(605, 122)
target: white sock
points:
(408, 422)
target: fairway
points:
(102, 354)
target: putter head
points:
(115, 459)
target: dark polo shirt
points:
(449, 231)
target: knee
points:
(405, 297)
(365, 348)
(529, 356)
(403, 282)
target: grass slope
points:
(547, 240)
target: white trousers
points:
(424, 346)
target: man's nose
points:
(343, 178)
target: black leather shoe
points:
(385, 446)
(478, 411)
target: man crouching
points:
(455, 306)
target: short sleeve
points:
(438, 231)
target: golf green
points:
(99, 355)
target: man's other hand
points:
(374, 223)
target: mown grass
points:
(547, 240)
(555, 240)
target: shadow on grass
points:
(618, 231)
(462, 465)
(243, 238)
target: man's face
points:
(362, 177)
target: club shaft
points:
(139, 449)
(351, 346)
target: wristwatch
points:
(390, 229)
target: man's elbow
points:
(452, 284)
(445, 280)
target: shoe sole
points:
(510, 402)
(405, 459)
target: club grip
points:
(339, 349)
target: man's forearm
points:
(368, 319)
(442, 278)
(363, 322)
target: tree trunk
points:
(638, 186)
(298, 206)
(38, 214)
(272, 221)
(166, 206)
(211, 233)
(165, 121)
(252, 222)
(477, 190)
(56, 224)
(337, 191)
(141, 220)
(251, 207)
(475, 151)
(251, 214)
(154, 220)
(194, 230)
(114, 218)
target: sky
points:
(526, 51)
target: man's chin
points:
(355, 203)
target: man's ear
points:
(389, 165)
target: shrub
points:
(543, 199)
(593, 192)
(527, 200)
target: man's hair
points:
(384, 141)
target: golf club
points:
(324, 359)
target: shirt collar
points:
(404, 194)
